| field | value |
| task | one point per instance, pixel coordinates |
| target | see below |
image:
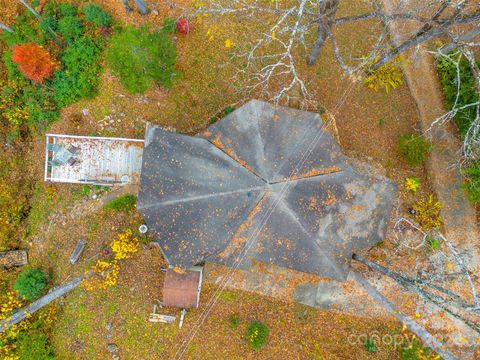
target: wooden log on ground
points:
(40, 303)
(13, 258)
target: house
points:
(265, 184)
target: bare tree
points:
(6, 28)
(290, 26)
(431, 279)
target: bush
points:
(414, 149)
(427, 213)
(34, 345)
(388, 76)
(468, 95)
(67, 10)
(80, 75)
(234, 320)
(140, 58)
(95, 15)
(30, 283)
(257, 335)
(70, 28)
(123, 203)
(472, 185)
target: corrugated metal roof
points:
(264, 183)
(181, 289)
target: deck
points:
(93, 160)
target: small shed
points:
(182, 289)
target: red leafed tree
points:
(34, 61)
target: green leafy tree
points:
(95, 15)
(30, 283)
(70, 28)
(141, 58)
(80, 74)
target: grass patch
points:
(228, 295)
(39, 210)
(125, 203)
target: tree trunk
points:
(418, 330)
(326, 16)
(465, 38)
(40, 303)
(410, 43)
(6, 28)
(142, 6)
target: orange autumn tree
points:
(34, 61)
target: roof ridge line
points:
(284, 209)
(236, 160)
(309, 177)
(201, 197)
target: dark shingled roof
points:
(204, 197)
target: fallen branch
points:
(40, 303)
(418, 330)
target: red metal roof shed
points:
(182, 290)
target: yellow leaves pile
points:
(10, 303)
(388, 76)
(105, 274)
(124, 245)
(427, 213)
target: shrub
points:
(34, 61)
(123, 203)
(388, 76)
(169, 25)
(468, 95)
(257, 335)
(79, 78)
(234, 320)
(412, 184)
(427, 213)
(30, 283)
(67, 10)
(414, 149)
(95, 15)
(140, 58)
(472, 185)
(70, 28)
(34, 345)
(434, 243)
